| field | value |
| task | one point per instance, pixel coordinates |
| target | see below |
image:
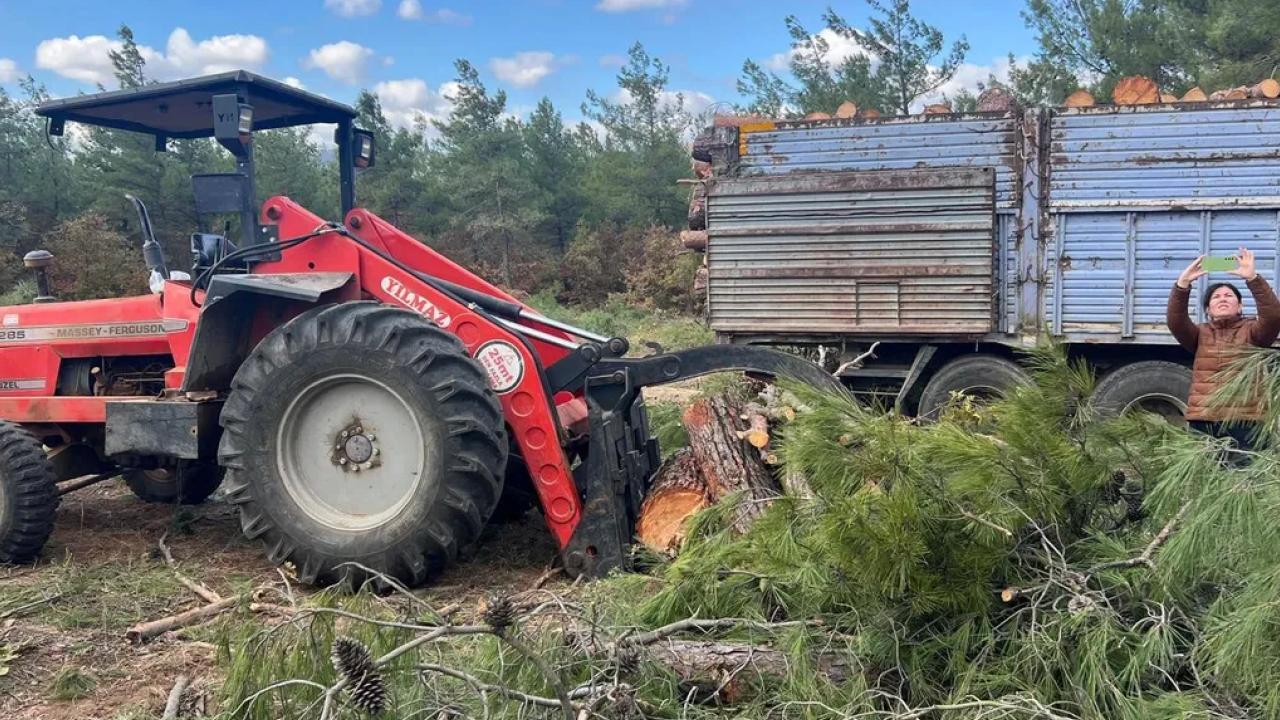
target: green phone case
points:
(1218, 264)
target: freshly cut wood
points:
(937, 109)
(1079, 98)
(1135, 90)
(996, 99)
(757, 434)
(847, 109)
(700, 278)
(678, 492)
(701, 170)
(697, 215)
(1168, 98)
(1240, 93)
(818, 116)
(739, 120)
(1195, 94)
(869, 114)
(694, 239)
(1269, 89)
(725, 462)
(1217, 95)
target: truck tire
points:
(1157, 386)
(360, 433)
(28, 495)
(984, 376)
(184, 482)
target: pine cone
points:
(353, 663)
(499, 613)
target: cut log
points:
(818, 116)
(143, 632)
(730, 673)
(694, 239)
(1168, 98)
(700, 280)
(1079, 98)
(757, 433)
(1269, 89)
(1135, 90)
(678, 492)
(937, 109)
(739, 120)
(698, 207)
(996, 99)
(1195, 94)
(701, 170)
(847, 109)
(869, 114)
(1240, 93)
(726, 463)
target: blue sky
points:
(405, 48)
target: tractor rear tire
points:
(362, 434)
(187, 483)
(982, 376)
(28, 495)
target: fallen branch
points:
(483, 687)
(1149, 553)
(143, 632)
(34, 603)
(205, 593)
(175, 698)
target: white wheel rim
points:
(351, 453)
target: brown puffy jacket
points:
(1215, 343)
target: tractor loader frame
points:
(361, 392)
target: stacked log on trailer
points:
(1140, 90)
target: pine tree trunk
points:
(728, 464)
(678, 492)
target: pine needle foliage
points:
(1031, 554)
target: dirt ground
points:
(63, 652)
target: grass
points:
(72, 684)
(638, 325)
(22, 292)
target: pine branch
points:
(1148, 554)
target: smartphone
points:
(1219, 264)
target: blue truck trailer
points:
(955, 240)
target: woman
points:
(1216, 342)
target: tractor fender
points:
(224, 337)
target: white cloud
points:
(86, 58)
(409, 10)
(353, 8)
(621, 6)
(292, 81)
(412, 10)
(613, 60)
(410, 101)
(9, 70)
(344, 61)
(968, 76)
(524, 69)
(839, 48)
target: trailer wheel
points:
(185, 482)
(358, 433)
(28, 495)
(980, 376)
(1156, 386)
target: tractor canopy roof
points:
(183, 109)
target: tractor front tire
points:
(185, 482)
(362, 435)
(28, 495)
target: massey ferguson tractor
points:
(362, 397)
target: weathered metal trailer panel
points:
(901, 252)
(924, 143)
(1106, 204)
(1134, 193)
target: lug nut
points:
(345, 434)
(359, 430)
(377, 452)
(356, 468)
(371, 437)
(342, 461)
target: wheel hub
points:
(355, 449)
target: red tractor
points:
(363, 397)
